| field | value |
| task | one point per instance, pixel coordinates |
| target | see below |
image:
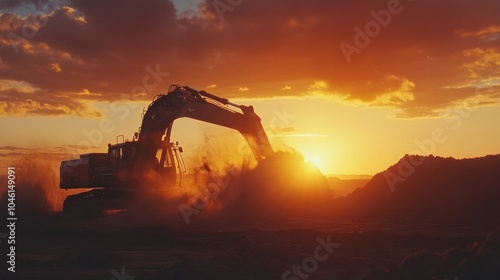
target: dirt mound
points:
(283, 186)
(280, 187)
(429, 189)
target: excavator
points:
(114, 177)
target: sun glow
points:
(317, 160)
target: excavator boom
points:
(186, 102)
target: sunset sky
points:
(352, 85)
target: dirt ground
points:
(117, 247)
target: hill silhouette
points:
(429, 189)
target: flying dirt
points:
(151, 160)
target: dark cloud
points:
(431, 55)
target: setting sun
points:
(317, 160)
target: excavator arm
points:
(186, 102)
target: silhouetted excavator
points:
(114, 176)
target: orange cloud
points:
(422, 61)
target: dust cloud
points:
(222, 190)
(223, 185)
(37, 185)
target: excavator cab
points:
(120, 156)
(168, 161)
